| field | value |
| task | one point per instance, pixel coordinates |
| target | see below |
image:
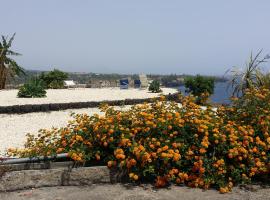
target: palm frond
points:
(12, 66)
(13, 53)
(4, 41)
(250, 77)
(11, 40)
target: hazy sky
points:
(136, 36)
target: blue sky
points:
(136, 36)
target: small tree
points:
(154, 86)
(54, 79)
(8, 66)
(200, 86)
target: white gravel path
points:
(13, 128)
(9, 97)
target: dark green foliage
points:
(54, 79)
(200, 86)
(154, 86)
(32, 89)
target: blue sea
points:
(221, 93)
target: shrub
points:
(33, 89)
(54, 79)
(201, 87)
(250, 77)
(154, 86)
(167, 143)
(252, 110)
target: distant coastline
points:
(171, 80)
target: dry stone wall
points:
(29, 108)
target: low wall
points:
(29, 108)
(25, 179)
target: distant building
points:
(97, 83)
(144, 80)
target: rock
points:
(89, 175)
(17, 180)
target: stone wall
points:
(29, 108)
(25, 179)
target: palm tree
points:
(8, 66)
(250, 77)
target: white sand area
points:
(9, 97)
(14, 127)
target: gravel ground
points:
(14, 127)
(9, 97)
(121, 192)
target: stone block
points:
(17, 180)
(89, 175)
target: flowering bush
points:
(168, 143)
